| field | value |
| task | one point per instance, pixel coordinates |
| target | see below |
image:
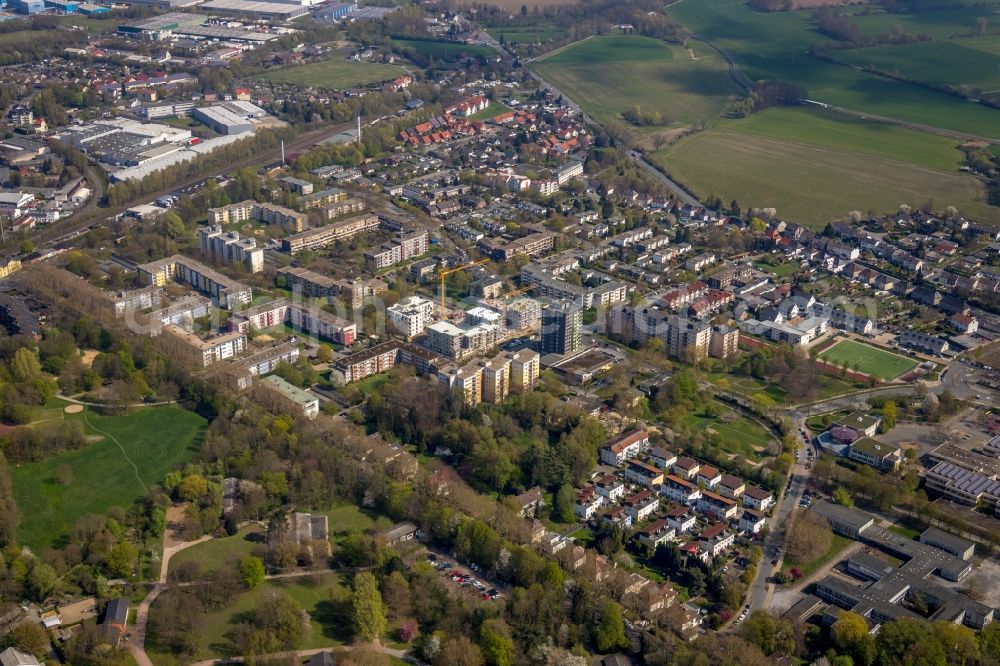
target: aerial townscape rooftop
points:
(487, 334)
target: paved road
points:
(761, 589)
(681, 194)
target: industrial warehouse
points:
(129, 149)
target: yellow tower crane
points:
(445, 272)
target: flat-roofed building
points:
(411, 314)
(264, 361)
(320, 323)
(227, 247)
(259, 317)
(723, 341)
(883, 457)
(322, 198)
(948, 542)
(962, 485)
(224, 291)
(307, 403)
(309, 283)
(465, 382)
(502, 251)
(134, 299)
(860, 422)
(384, 356)
(329, 233)
(524, 369)
(496, 379)
(403, 248)
(206, 352)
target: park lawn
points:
(334, 74)
(741, 436)
(217, 553)
(492, 111)
(867, 359)
(938, 63)
(608, 75)
(351, 519)
(445, 50)
(318, 594)
(134, 453)
(837, 544)
(584, 535)
(813, 184)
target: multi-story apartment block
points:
(401, 249)
(446, 339)
(182, 312)
(329, 233)
(496, 379)
(410, 315)
(289, 220)
(309, 283)
(265, 315)
(264, 361)
(562, 329)
(684, 338)
(466, 382)
(323, 198)
(524, 369)
(134, 299)
(227, 247)
(320, 323)
(723, 341)
(523, 314)
(384, 356)
(206, 352)
(225, 292)
(530, 245)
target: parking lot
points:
(466, 578)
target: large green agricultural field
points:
(334, 74)
(774, 46)
(941, 23)
(867, 359)
(970, 62)
(814, 167)
(524, 34)
(444, 50)
(608, 75)
(130, 454)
